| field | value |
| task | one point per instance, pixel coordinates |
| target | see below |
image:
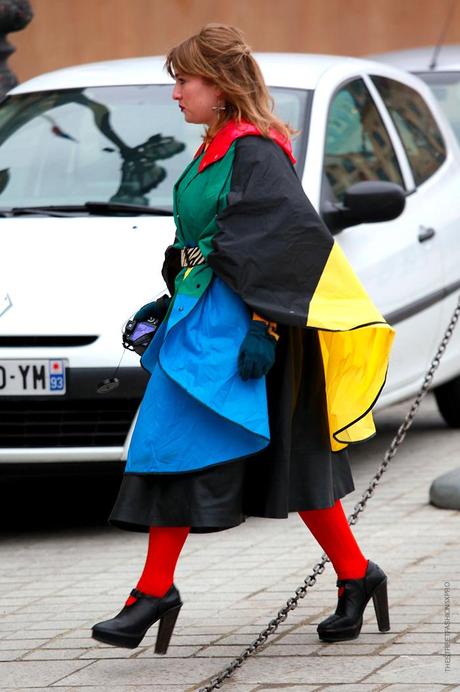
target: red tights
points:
(331, 529)
(329, 526)
(165, 544)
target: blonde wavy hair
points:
(220, 54)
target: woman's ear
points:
(219, 93)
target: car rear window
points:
(446, 88)
(416, 126)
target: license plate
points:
(21, 377)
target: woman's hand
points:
(157, 309)
(257, 352)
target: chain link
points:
(301, 591)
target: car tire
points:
(448, 400)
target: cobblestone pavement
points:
(55, 585)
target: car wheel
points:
(448, 401)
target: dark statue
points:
(140, 172)
(14, 16)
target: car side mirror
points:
(370, 201)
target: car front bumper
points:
(80, 426)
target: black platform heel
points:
(380, 600)
(129, 627)
(347, 620)
(165, 630)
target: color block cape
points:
(268, 251)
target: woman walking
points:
(268, 360)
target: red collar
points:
(225, 137)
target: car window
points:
(446, 88)
(125, 144)
(416, 126)
(358, 146)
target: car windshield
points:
(446, 88)
(117, 144)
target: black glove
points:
(157, 309)
(257, 352)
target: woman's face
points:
(196, 97)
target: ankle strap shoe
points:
(128, 628)
(347, 620)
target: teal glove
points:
(257, 352)
(157, 309)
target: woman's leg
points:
(331, 529)
(164, 547)
(359, 579)
(155, 598)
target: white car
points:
(88, 158)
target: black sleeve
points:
(271, 246)
(171, 267)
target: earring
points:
(218, 108)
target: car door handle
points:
(425, 234)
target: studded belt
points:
(191, 257)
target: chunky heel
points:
(347, 621)
(165, 630)
(380, 599)
(130, 626)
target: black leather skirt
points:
(223, 496)
(297, 471)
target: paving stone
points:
(356, 687)
(64, 625)
(454, 648)
(340, 669)
(412, 688)
(102, 652)
(312, 638)
(410, 637)
(342, 649)
(6, 629)
(12, 654)
(70, 643)
(411, 669)
(53, 654)
(221, 651)
(173, 652)
(437, 627)
(129, 688)
(138, 671)
(42, 635)
(24, 674)
(275, 688)
(420, 687)
(194, 639)
(20, 619)
(9, 644)
(414, 648)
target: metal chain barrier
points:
(292, 603)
